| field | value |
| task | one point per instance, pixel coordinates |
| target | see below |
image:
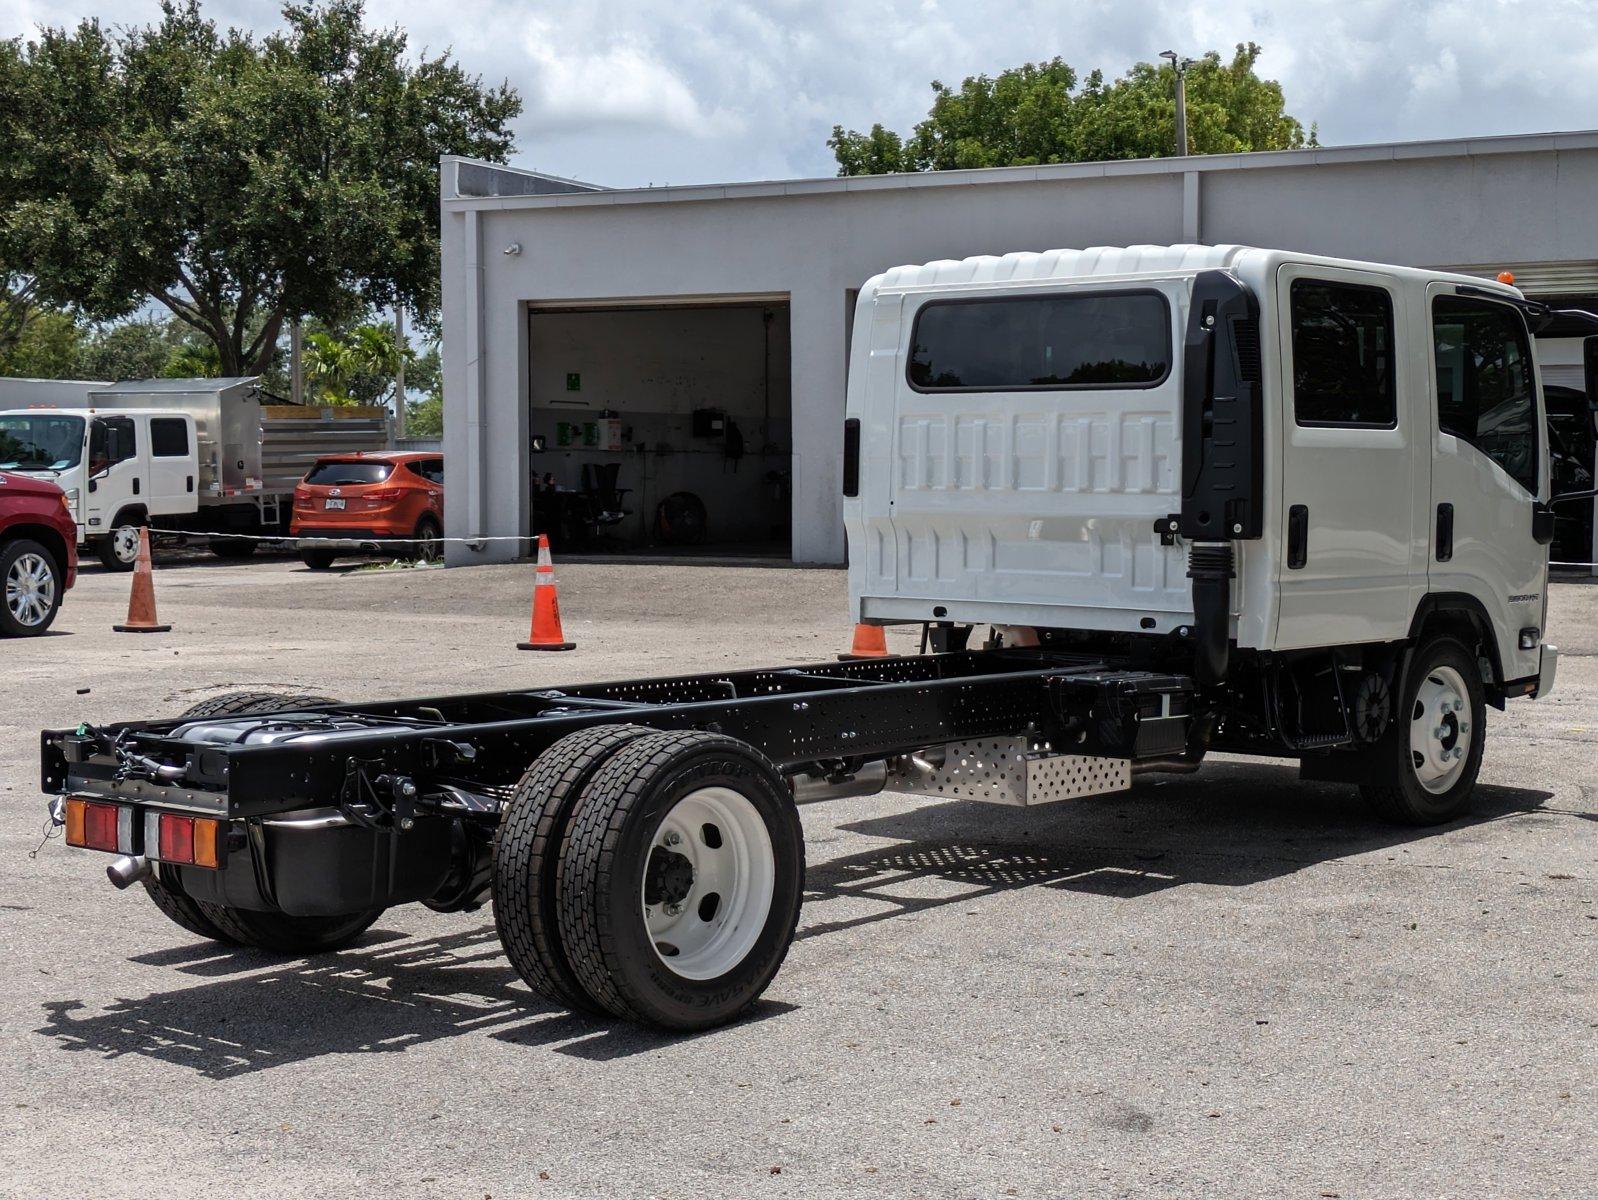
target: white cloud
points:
(680, 91)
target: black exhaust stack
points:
(1223, 454)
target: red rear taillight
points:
(191, 841)
(384, 494)
(91, 826)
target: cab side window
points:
(169, 437)
(1343, 365)
(111, 440)
(1486, 394)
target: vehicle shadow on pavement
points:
(1237, 825)
(389, 992)
(382, 996)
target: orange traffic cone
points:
(870, 641)
(141, 602)
(546, 634)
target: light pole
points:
(1180, 65)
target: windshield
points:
(40, 442)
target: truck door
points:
(1352, 564)
(116, 476)
(1488, 468)
(174, 469)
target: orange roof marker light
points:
(1507, 277)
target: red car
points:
(38, 553)
(347, 501)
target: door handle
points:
(1297, 537)
(135, 485)
(1444, 542)
(188, 482)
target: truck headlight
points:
(72, 498)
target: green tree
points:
(425, 417)
(237, 181)
(48, 347)
(353, 368)
(1043, 113)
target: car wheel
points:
(429, 544)
(32, 583)
(119, 549)
(680, 880)
(1426, 767)
(317, 560)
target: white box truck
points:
(196, 456)
(1202, 498)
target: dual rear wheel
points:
(652, 876)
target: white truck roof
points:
(1122, 262)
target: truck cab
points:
(119, 469)
(1288, 470)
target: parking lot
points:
(1230, 984)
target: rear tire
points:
(317, 560)
(169, 896)
(527, 851)
(680, 880)
(428, 545)
(289, 935)
(233, 548)
(233, 926)
(1427, 764)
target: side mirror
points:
(1542, 523)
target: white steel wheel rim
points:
(125, 543)
(30, 590)
(725, 841)
(1440, 730)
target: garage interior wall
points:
(653, 368)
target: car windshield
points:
(335, 474)
(40, 442)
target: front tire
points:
(32, 586)
(1428, 763)
(118, 550)
(680, 880)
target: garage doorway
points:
(662, 428)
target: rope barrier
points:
(475, 541)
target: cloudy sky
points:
(632, 92)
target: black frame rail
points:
(800, 717)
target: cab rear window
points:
(336, 474)
(1080, 340)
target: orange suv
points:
(347, 501)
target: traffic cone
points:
(546, 634)
(870, 641)
(141, 602)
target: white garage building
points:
(605, 350)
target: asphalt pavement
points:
(1229, 984)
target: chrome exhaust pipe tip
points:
(125, 870)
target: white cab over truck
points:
(1320, 486)
(202, 456)
(1206, 498)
